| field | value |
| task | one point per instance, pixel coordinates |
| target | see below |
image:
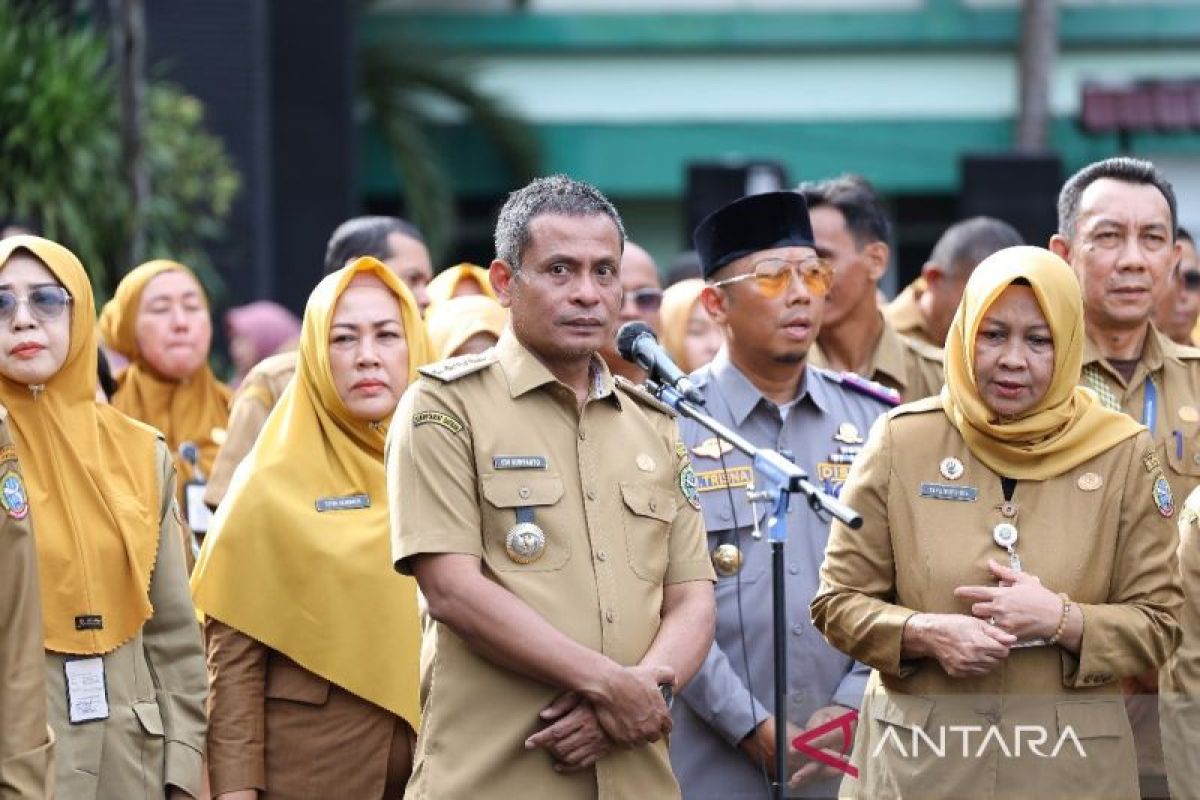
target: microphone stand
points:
(780, 479)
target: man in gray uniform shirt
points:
(766, 289)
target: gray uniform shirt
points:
(823, 430)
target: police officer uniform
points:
(584, 515)
(823, 430)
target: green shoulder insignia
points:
(454, 368)
(642, 396)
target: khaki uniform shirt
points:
(1179, 701)
(905, 315)
(912, 368)
(481, 440)
(1174, 420)
(258, 394)
(156, 685)
(1096, 533)
(25, 743)
(279, 728)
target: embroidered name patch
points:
(942, 491)
(518, 462)
(346, 503)
(734, 478)
(437, 418)
(8, 453)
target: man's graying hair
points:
(1121, 168)
(556, 194)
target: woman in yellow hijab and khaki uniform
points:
(313, 639)
(1015, 562)
(124, 663)
(159, 319)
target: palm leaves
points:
(399, 85)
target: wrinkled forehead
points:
(1108, 200)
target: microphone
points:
(636, 343)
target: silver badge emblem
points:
(525, 542)
(951, 468)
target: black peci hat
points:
(745, 226)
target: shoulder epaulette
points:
(857, 383)
(924, 349)
(642, 396)
(454, 368)
(922, 406)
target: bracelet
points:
(1062, 623)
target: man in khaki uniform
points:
(396, 243)
(549, 513)
(852, 232)
(922, 312)
(25, 744)
(1116, 227)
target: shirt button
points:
(601, 555)
(591, 494)
(798, 629)
(523, 492)
(653, 506)
(609, 615)
(582, 435)
(794, 568)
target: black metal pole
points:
(779, 606)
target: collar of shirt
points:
(904, 312)
(1155, 350)
(743, 396)
(886, 364)
(526, 372)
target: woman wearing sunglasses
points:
(124, 664)
(1015, 562)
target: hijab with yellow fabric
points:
(318, 585)
(452, 322)
(444, 286)
(1069, 425)
(195, 410)
(93, 487)
(678, 300)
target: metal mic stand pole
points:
(780, 478)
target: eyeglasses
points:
(772, 276)
(1190, 279)
(45, 303)
(647, 299)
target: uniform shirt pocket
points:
(505, 493)
(150, 717)
(287, 680)
(649, 511)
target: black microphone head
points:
(629, 333)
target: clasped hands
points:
(626, 710)
(1020, 608)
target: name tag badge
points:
(347, 503)
(87, 692)
(199, 517)
(518, 462)
(943, 491)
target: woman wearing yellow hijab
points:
(159, 320)
(1016, 560)
(689, 334)
(462, 325)
(313, 639)
(124, 664)
(459, 281)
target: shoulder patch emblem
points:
(458, 366)
(857, 383)
(13, 496)
(642, 396)
(441, 418)
(1163, 500)
(687, 485)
